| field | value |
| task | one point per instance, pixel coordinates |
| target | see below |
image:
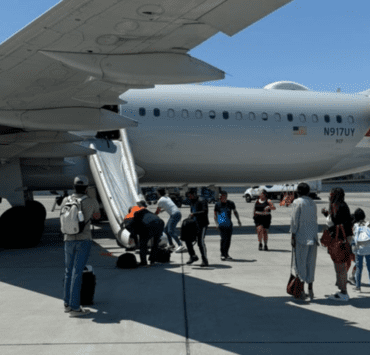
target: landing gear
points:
(22, 226)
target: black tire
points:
(248, 198)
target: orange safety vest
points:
(133, 211)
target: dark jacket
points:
(341, 216)
(199, 208)
(147, 223)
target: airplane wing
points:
(59, 72)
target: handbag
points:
(295, 285)
(329, 221)
(339, 251)
(326, 238)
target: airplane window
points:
(142, 111)
(171, 113)
(239, 115)
(156, 112)
(339, 119)
(277, 117)
(252, 116)
(315, 118)
(198, 114)
(225, 115)
(212, 114)
(327, 118)
(185, 114)
(302, 117)
(265, 116)
(351, 119)
(290, 117)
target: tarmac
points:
(232, 307)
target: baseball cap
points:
(81, 180)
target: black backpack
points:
(189, 229)
(163, 256)
(127, 261)
(88, 286)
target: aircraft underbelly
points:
(235, 155)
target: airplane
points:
(77, 96)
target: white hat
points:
(81, 180)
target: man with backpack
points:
(224, 224)
(77, 211)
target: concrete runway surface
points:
(233, 307)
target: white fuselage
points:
(185, 137)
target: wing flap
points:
(234, 15)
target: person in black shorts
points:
(224, 224)
(262, 217)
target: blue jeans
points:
(359, 264)
(170, 228)
(76, 254)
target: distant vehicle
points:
(277, 191)
(150, 195)
(208, 194)
(175, 195)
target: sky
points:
(321, 44)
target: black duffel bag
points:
(127, 261)
(189, 230)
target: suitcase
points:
(88, 286)
(127, 261)
(189, 230)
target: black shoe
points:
(266, 247)
(229, 257)
(143, 265)
(260, 246)
(223, 258)
(192, 259)
(204, 263)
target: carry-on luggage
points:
(127, 261)
(189, 229)
(88, 286)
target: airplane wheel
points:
(22, 226)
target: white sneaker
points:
(81, 312)
(180, 249)
(339, 296)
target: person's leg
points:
(223, 242)
(311, 267)
(167, 232)
(229, 233)
(301, 253)
(69, 255)
(341, 271)
(367, 258)
(157, 233)
(359, 264)
(202, 244)
(82, 254)
(172, 223)
(144, 238)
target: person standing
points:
(165, 203)
(340, 216)
(77, 248)
(262, 217)
(304, 228)
(199, 211)
(361, 245)
(224, 224)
